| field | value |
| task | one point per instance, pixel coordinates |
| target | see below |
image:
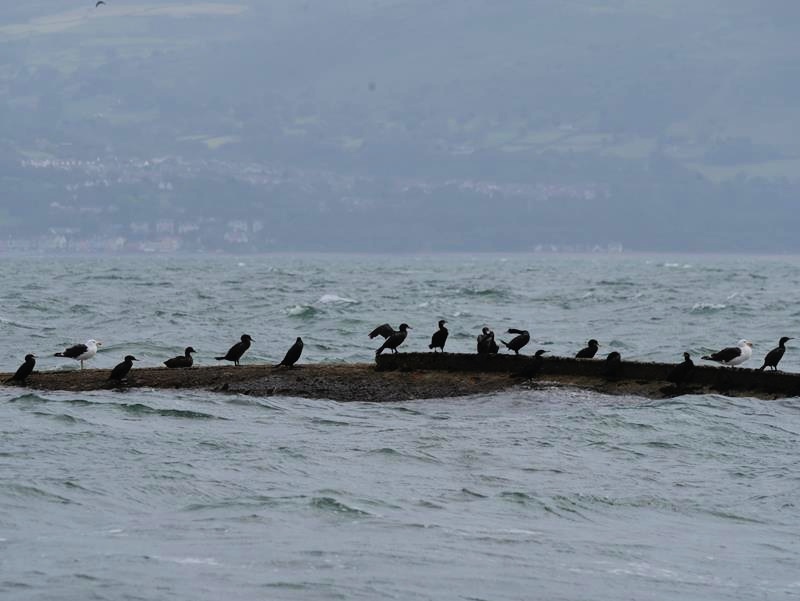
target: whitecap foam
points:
(335, 298)
(708, 306)
(298, 310)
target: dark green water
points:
(532, 493)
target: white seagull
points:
(81, 352)
(733, 355)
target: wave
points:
(332, 505)
(302, 311)
(708, 307)
(140, 409)
(326, 299)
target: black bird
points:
(613, 364)
(775, 355)
(682, 372)
(99, 2)
(24, 370)
(439, 337)
(395, 340)
(184, 360)
(121, 370)
(522, 338)
(293, 354)
(237, 350)
(590, 351)
(384, 330)
(534, 366)
(486, 343)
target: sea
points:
(537, 492)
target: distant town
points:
(157, 206)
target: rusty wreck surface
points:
(407, 376)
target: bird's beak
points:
(34, 356)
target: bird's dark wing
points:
(439, 338)
(384, 330)
(24, 371)
(120, 371)
(293, 354)
(774, 356)
(236, 351)
(726, 354)
(75, 351)
(179, 361)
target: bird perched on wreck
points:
(590, 350)
(682, 372)
(81, 352)
(732, 355)
(293, 354)
(486, 343)
(521, 339)
(184, 360)
(613, 365)
(237, 350)
(120, 371)
(534, 366)
(395, 340)
(775, 355)
(439, 337)
(24, 370)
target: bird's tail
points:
(762, 367)
(380, 350)
(707, 358)
(220, 358)
(58, 355)
(504, 342)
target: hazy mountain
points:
(465, 124)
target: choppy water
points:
(531, 493)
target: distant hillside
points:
(659, 104)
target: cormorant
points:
(522, 338)
(775, 355)
(237, 350)
(439, 337)
(534, 365)
(384, 330)
(486, 343)
(613, 364)
(395, 340)
(589, 351)
(24, 370)
(682, 372)
(121, 370)
(732, 355)
(293, 354)
(184, 360)
(81, 352)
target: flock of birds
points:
(486, 345)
